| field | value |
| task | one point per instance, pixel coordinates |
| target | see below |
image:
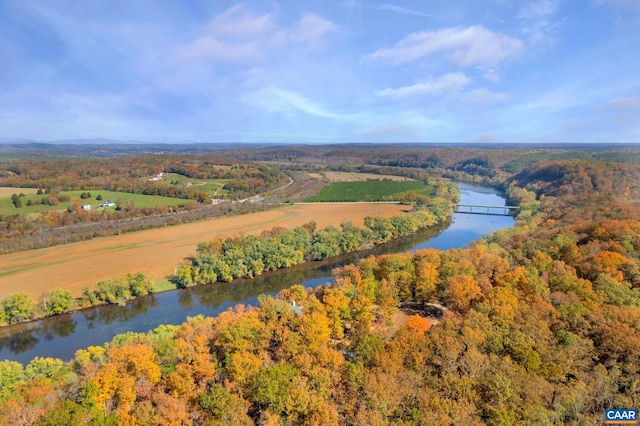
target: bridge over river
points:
(484, 209)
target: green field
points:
(213, 187)
(138, 200)
(372, 190)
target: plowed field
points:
(9, 191)
(156, 252)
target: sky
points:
(313, 71)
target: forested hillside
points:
(542, 327)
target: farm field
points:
(7, 192)
(355, 177)
(372, 190)
(138, 200)
(156, 252)
(211, 186)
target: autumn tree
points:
(461, 292)
(18, 307)
(426, 264)
(417, 324)
(57, 301)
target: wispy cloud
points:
(486, 96)
(629, 102)
(448, 83)
(539, 21)
(285, 102)
(471, 46)
(311, 29)
(405, 11)
(407, 126)
(622, 110)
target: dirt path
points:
(156, 252)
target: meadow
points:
(371, 190)
(124, 198)
(211, 186)
(355, 176)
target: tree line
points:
(20, 306)
(248, 256)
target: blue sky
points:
(321, 71)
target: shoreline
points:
(167, 285)
(156, 252)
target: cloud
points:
(285, 102)
(211, 47)
(407, 126)
(311, 29)
(448, 83)
(622, 103)
(540, 9)
(239, 21)
(538, 19)
(623, 110)
(404, 11)
(486, 96)
(239, 35)
(471, 46)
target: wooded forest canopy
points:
(542, 326)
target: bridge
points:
(484, 209)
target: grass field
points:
(211, 186)
(156, 252)
(372, 190)
(355, 177)
(138, 200)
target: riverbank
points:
(156, 252)
(224, 260)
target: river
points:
(61, 336)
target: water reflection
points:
(61, 336)
(19, 343)
(109, 314)
(65, 327)
(22, 338)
